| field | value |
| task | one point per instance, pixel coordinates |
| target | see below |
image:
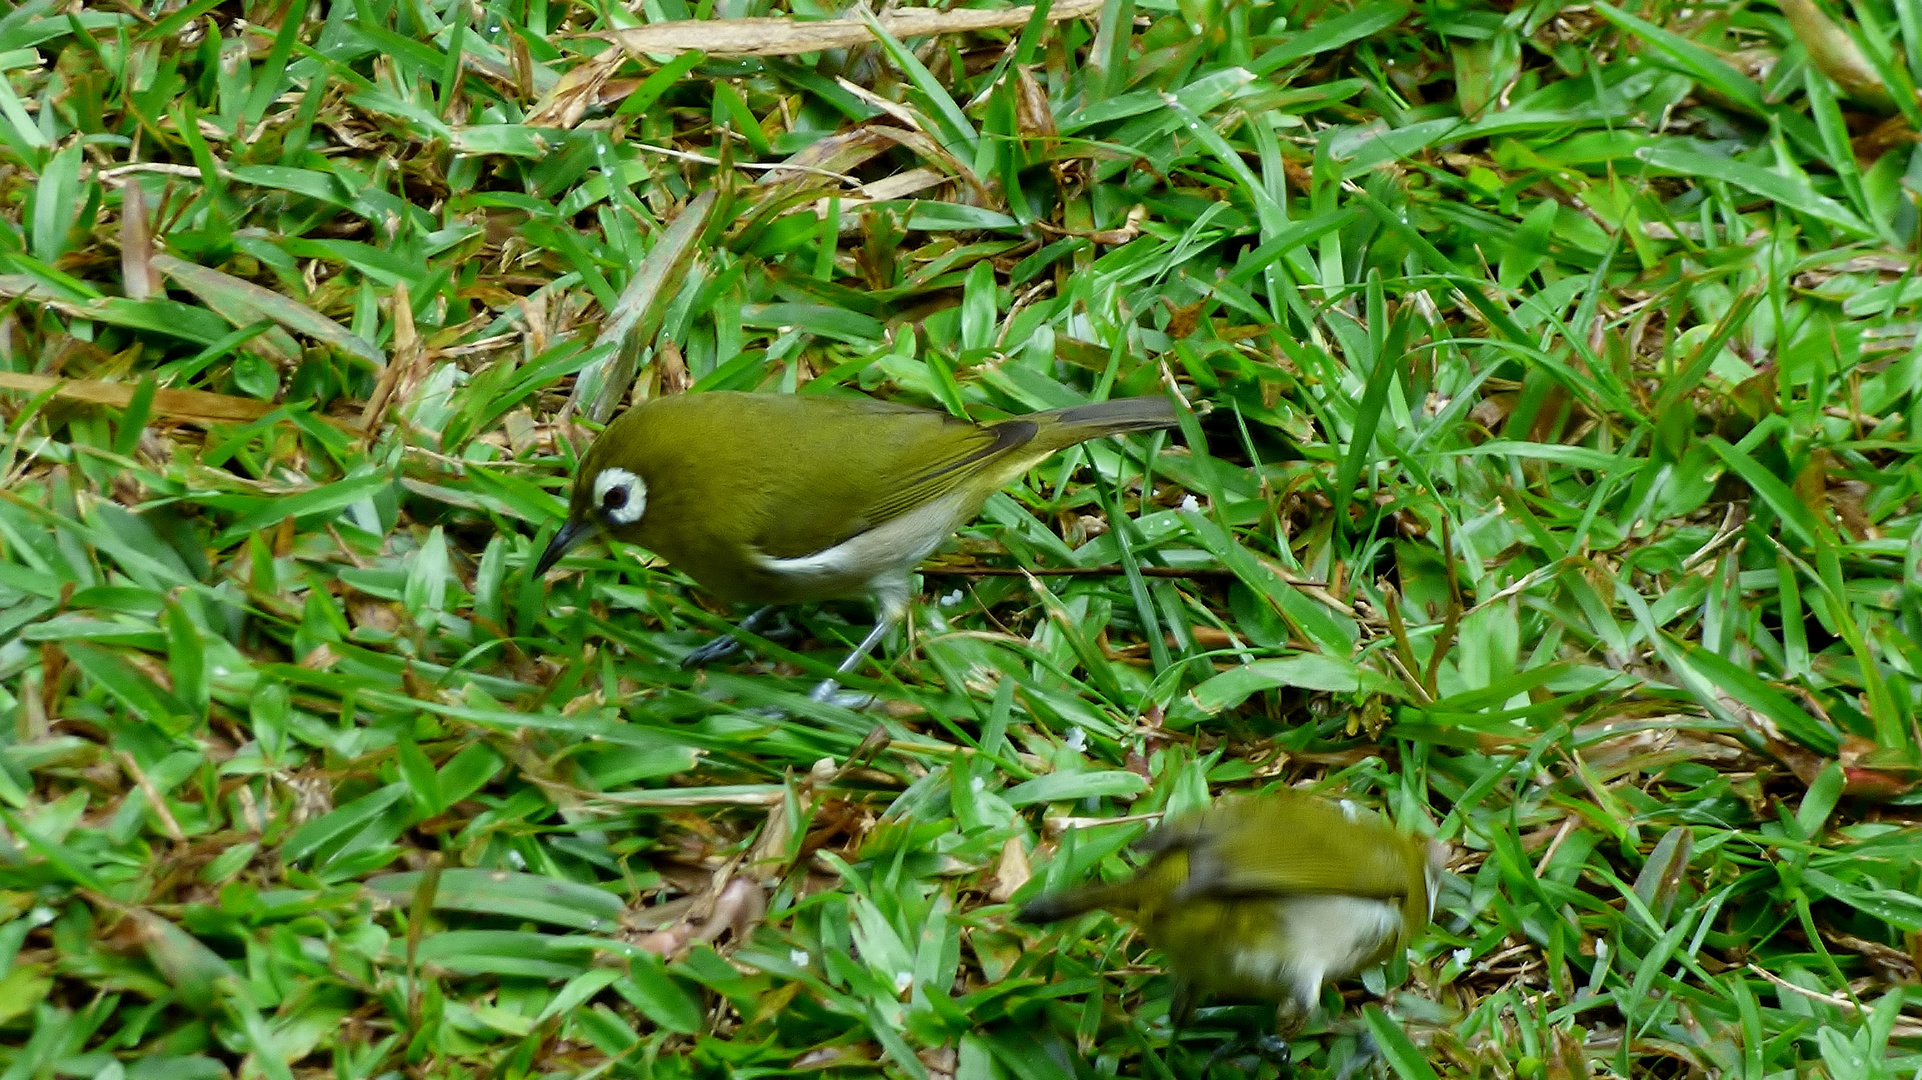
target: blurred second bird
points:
(1268, 897)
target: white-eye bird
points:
(785, 498)
(1268, 897)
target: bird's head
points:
(609, 494)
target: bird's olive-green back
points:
(1283, 843)
(1290, 841)
(1266, 896)
(788, 476)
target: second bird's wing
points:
(1283, 844)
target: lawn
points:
(1549, 485)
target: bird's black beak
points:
(573, 532)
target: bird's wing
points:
(1283, 846)
(911, 460)
(948, 464)
(1364, 870)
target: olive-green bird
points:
(1268, 897)
(783, 498)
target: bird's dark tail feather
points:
(1115, 417)
(1066, 904)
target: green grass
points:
(1559, 497)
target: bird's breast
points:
(1340, 935)
(1278, 947)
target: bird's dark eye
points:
(615, 498)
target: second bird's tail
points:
(1068, 903)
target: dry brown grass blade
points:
(636, 315)
(136, 245)
(407, 357)
(189, 406)
(578, 90)
(1835, 54)
(243, 302)
(790, 37)
(833, 155)
(1904, 1028)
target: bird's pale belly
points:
(1280, 947)
(874, 562)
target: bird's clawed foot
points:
(1367, 1052)
(1268, 1049)
(719, 649)
(1273, 1049)
(729, 644)
(829, 692)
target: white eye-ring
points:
(620, 496)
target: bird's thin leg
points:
(729, 643)
(1367, 1052)
(890, 611)
(882, 629)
